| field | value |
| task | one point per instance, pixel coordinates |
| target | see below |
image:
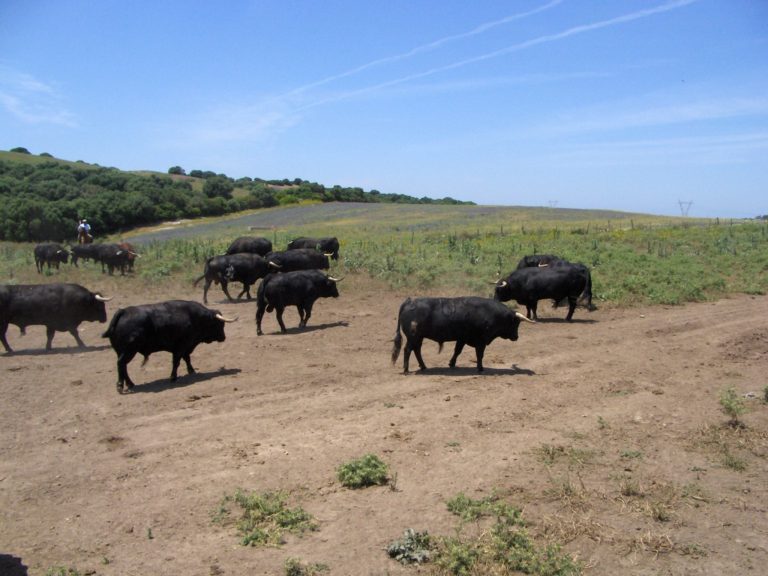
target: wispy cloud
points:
(425, 47)
(276, 113)
(643, 114)
(722, 149)
(32, 101)
(545, 39)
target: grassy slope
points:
(459, 249)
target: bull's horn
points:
(328, 254)
(523, 317)
(101, 298)
(118, 253)
(220, 317)
(543, 265)
(135, 254)
(274, 265)
(503, 283)
(332, 279)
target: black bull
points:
(328, 246)
(50, 254)
(245, 267)
(252, 244)
(58, 307)
(300, 288)
(465, 320)
(529, 285)
(300, 259)
(175, 326)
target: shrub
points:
(366, 471)
(413, 548)
(733, 405)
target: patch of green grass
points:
(503, 548)
(62, 571)
(733, 461)
(630, 454)
(295, 567)
(265, 517)
(369, 470)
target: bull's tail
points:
(586, 296)
(113, 324)
(397, 342)
(205, 271)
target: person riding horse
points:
(84, 232)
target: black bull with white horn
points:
(467, 320)
(175, 326)
(300, 288)
(59, 307)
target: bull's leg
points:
(456, 351)
(417, 353)
(122, 371)
(259, 315)
(307, 314)
(49, 333)
(74, 333)
(407, 355)
(205, 290)
(480, 351)
(571, 307)
(279, 313)
(531, 310)
(3, 329)
(188, 362)
(224, 287)
(175, 366)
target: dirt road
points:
(607, 432)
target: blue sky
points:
(618, 104)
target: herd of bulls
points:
(292, 277)
(111, 256)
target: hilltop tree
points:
(218, 186)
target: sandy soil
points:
(607, 432)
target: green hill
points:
(44, 197)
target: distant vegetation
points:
(453, 250)
(43, 198)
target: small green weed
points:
(369, 470)
(413, 548)
(295, 567)
(733, 461)
(733, 405)
(631, 454)
(266, 517)
(62, 571)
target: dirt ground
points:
(607, 432)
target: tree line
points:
(44, 199)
